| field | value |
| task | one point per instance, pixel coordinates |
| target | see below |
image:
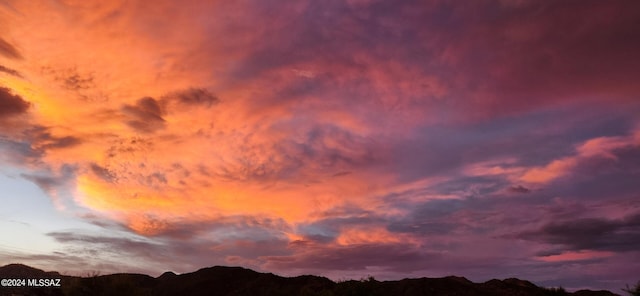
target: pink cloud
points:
(576, 256)
(602, 147)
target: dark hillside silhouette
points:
(237, 281)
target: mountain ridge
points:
(227, 280)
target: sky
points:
(484, 139)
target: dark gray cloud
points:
(70, 78)
(63, 142)
(519, 189)
(82, 84)
(24, 143)
(49, 182)
(118, 242)
(44, 182)
(340, 174)
(193, 96)
(18, 152)
(10, 71)
(103, 173)
(145, 115)
(617, 235)
(472, 206)
(122, 145)
(155, 178)
(11, 104)
(431, 218)
(399, 257)
(102, 222)
(43, 139)
(8, 50)
(77, 82)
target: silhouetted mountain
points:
(21, 270)
(167, 275)
(592, 293)
(236, 281)
(15, 273)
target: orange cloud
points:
(598, 147)
(576, 256)
(152, 141)
(552, 171)
(372, 235)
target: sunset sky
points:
(343, 138)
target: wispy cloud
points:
(10, 71)
(8, 50)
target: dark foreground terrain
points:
(239, 281)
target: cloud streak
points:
(10, 71)
(8, 50)
(591, 234)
